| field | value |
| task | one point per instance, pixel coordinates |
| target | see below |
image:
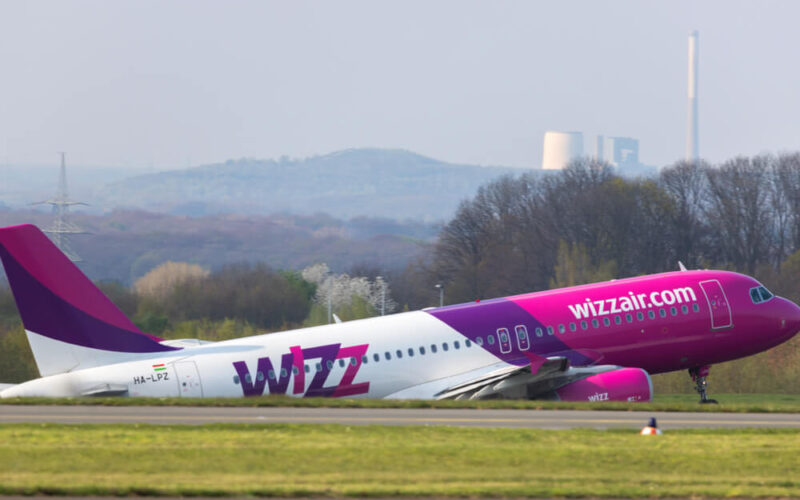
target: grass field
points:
(739, 403)
(330, 460)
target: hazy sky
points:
(189, 82)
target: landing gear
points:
(699, 375)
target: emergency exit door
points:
(189, 385)
(718, 305)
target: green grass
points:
(731, 403)
(371, 461)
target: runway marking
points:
(262, 418)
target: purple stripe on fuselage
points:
(482, 319)
(47, 314)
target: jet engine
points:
(622, 384)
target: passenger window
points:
(606, 321)
(433, 348)
(584, 325)
(284, 374)
(640, 316)
(353, 361)
(539, 332)
(468, 343)
(376, 357)
(410, 351)
(236, 379)
(319, 366)
(259, 376)
(595, 323)
(479, 340)
(549, 330)
(387, 355)
(399, 354)
(651, 314)
(341, 363)
(618, 320)
(561, 328)
(695, 308)
(295, 371)
(364, 359)
(685, 309)
(673, 311)
(422, 350)
(490, 339)
(456, 345)
(248, 378)
(572, 327)
(271, 374)
(444, 346)
(629, 318)
(662, 313)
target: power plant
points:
(560, 148)
(692, 136)
(623, 152)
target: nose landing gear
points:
(699, 375)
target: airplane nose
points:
(790, 318)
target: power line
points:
(61, 227)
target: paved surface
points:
(544, 419)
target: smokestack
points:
(692, 149)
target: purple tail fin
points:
(56, 300)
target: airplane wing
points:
(499, 379)
(523, 382)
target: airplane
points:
(597, 342)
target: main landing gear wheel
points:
(699, 375)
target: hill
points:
(124, 245)
(396, 184)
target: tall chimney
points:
(692, 150)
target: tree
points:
(574, 267)
(738, 213)
(160, 281)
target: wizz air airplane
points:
(595, 342)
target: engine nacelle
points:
(623, 384)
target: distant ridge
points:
(392, 183)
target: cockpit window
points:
(760, 294)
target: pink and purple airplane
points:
(597, 342)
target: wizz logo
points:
(293, 362)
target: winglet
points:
(681, 266)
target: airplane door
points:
(718, 304)
(189, 385)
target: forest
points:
(516, 234)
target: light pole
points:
(441, 294)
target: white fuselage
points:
(330, 360)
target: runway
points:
(541, 419)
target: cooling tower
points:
(692, 149)
(560, 148)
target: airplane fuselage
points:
(659, 323)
